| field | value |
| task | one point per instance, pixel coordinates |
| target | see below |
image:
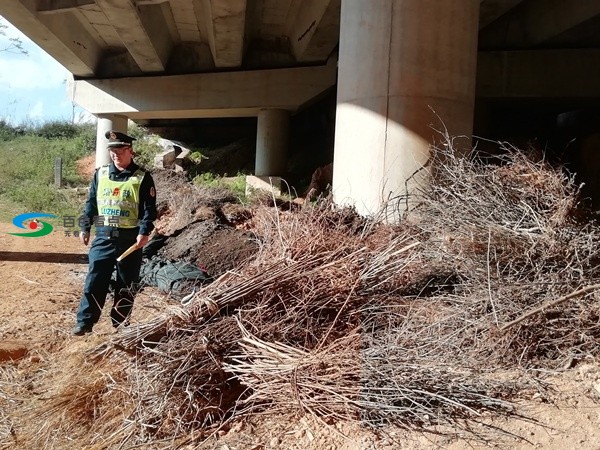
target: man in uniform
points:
(122, 205)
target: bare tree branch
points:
(10, 45)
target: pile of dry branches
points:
(346, 318)
(181, 203)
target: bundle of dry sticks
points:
(347, 318)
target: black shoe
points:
(80, 330)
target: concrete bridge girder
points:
(84, 35)
(225, 24)
(69, 43)
(144, 32)
(224, 94)
(539, 74)
(535, 22)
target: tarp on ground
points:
(175, 278)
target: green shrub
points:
(57, 130)
(85, 140)
(7, 131)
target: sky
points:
(33, 87)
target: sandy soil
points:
(39, 293)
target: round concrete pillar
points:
(405, 66)
(272, 136)
(107, 123)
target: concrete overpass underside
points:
(393, 62)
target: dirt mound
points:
(203, 224)
(214, 247)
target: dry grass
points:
(9, 391)
(346, 318)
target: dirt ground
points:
(41, 282)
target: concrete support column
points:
(272, 142)
(106, 123)
(402, 63)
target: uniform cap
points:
(118, 139)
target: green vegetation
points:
(8, 209)
(29, 153)
(196, 156)
(235, 184)
(146, 145)
(27, 170)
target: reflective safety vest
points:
(118, 201)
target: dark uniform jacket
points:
(147, 206)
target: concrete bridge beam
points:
(224, 94)
(535, 22)
(225, 22)
(66, 40)
(539, 74)
(143, 30)
(315, 30)
(490, 10)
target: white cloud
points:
(37, 111)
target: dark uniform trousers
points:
(106, 248)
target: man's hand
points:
(142, 240)
(84, 237)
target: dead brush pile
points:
(180, 202)
(349, 319)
